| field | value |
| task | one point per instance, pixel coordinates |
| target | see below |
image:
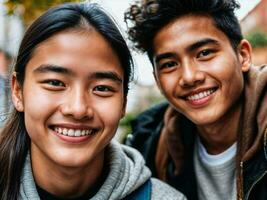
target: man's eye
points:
(55, 83)
(168, 64)
(204, 53)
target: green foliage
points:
(257, 39)
(28, 10)
(126, 121)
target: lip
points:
(197, 103)
(72, 126)
(198, 90)
(71, 139)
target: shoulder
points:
(161, 190)
(147, 122)
(258, 73)
(146, 129)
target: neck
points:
(67, 182)
(220, 135)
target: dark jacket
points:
(252, 143)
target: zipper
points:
(241, 186)
(265, 142)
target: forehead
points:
(186, 30)
(82, 51)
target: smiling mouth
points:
(200, 95)
(73, 132)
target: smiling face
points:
(72, 98)
(197, 69)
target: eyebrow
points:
(106, 75)
(95, 75)
(163, 56)
(53, 68)
(191, 47)
(201, 43)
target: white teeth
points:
(83, 132)
(72, 132)
(65, 131)
(200, 95)
(60, 130)
(77, 133)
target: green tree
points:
(257, 39)
(29, 10)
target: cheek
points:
(168, 84)
(32, 128)
(232, 77)
(38, 104)
(225, 68)
(235, 87)
(110, 111)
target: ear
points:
(17, 94)
(244, 55)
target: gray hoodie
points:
(127, 173)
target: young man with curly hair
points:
(210, 140)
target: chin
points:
(205, 121)
(73, 162)
(70, 158)
(202, 120)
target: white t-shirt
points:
(215, 174)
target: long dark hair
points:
(14, 140)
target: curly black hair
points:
(146, 17)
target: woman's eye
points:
(103, 91)
(56, 83)
(168, 64)
(102, 88)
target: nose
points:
(191, 75)
(77, 105)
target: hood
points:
(127, 171)
(254, 116)
(253, 124)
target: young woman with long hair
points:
(69, 89)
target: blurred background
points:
(16, 15)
